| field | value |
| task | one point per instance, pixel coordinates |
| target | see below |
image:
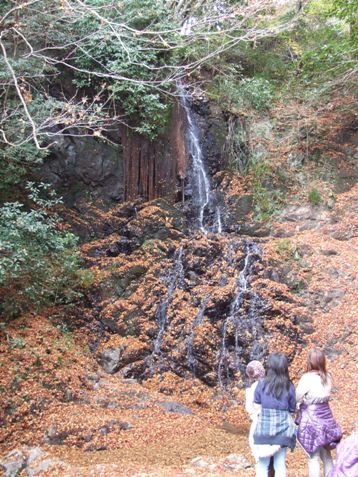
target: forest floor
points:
(110, 426)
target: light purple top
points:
(347, 458)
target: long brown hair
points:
(316, 361)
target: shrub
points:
(256, 92)
(248, 93)
(38, 262)
(314, 196)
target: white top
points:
(252, 408)
(310, 389)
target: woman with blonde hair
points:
(318, 432)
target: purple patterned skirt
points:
(317, 427)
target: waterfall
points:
(241, 322)
(202, 192)
(197, 320)
(241, 328)
(173, 279)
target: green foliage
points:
(314, 196)
(130, 57)
(287, 250)
(257, 92)
(244, 94)
(17, 342)
(38, 262)
(268, 198)
(347, 10)
(21, 157)
(86, 278)
(324, 48)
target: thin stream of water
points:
(173, 279)
(202, 193)
(235, 318)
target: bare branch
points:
(20, 95)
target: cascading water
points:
(237, 320)
(198, 319)
(202, 192)
(237, 340)
(240, 322)
(174, 279)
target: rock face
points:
(176, 407)
(155, 169)
(34, 461)
(84, 168)
(187, 306)
(110, 360)
(213, 129)
(13, 463)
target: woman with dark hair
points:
(276, 395)
(318, 431)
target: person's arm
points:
(249, 400)
(292, 399)
(257, 393)
(252, 408)
(302, 388)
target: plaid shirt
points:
(275, 426)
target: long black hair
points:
(277, 379)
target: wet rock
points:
(176, 407)
(254, 229)
(124, 246)
(164, 222)
(110, 360)
(344, 234)
(305, 250)
(329, 252)
(239, 208)
(122, 284)
(69, 395)
(55, 437)
(331, 295)
(112, 251)
(13, 463)
(223, 281)
(88, 437)
(213, 129)
(110, 324)
(305, 213)
(104, 430)
(193, 277)
(282, 232)
(272, 274)
(333, 272)
(107, 403)
(125, 426)
(133, 350)
(79, 167)
(199, 462)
